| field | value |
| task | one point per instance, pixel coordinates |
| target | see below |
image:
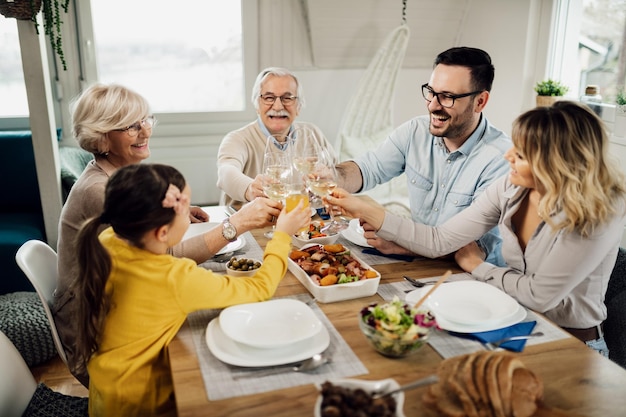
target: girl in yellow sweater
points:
(135, 297)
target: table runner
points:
(219, 379)
(447, 345)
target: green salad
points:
(396, 328)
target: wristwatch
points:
(229, 231)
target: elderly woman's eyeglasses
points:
(286, 99)
(445, 99)
(133, 130)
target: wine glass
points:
(304, 149)
(275, 175)
(322, 181)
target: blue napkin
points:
(519, 329)
(405, 258)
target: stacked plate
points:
(354, 233)
(268, 333)
(470, 306)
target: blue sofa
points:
(21, 216)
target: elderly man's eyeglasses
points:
(133, 130)
(445, 99)
(286, 99)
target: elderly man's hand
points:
(255, 189)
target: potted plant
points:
(28, 9)
(549, 91)
(619, 128)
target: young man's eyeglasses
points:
(286, 99)
(445, 99)
(133, 130)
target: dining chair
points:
(39, 263)
(21, 396)
(615, 300)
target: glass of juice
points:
(297, 192)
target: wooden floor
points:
(57, 377)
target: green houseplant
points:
(619, 128)
(28, 9)
(551, 87)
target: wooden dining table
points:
(576, 379)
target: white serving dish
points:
(228, 351)
(367, 386)
(337, 292)
(270, 324)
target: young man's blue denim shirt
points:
(440, 183)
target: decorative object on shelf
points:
(619, 128)
(28, 9)
(549, 91)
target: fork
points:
(419, 284)
(495, 345)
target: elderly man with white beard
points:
(278, 98)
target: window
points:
(184, 57)
(589, 46)
(11, 74)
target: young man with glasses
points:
(449, 156)
(277, 97)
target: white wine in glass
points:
(322, 181)
(275, 175)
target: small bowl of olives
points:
(242, 267)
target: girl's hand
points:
(296, 219)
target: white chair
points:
(17, 384)
(21, 396)
(39, 263)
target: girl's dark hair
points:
(132, 206)
(477, 60)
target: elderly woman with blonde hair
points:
(561, 213)
(115, 124)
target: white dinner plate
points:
(518, 315)
(270, 324)
(228, 351)
(199, 228)
(232, 246)
(472, 302)
(354, 233)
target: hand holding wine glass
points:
(276, 171)
(322, 181)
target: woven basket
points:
(20, 9)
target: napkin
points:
(519, 329)
(372, 251)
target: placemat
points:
(447, 345)
(219, 378)
(251, 249)
(366, 257)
